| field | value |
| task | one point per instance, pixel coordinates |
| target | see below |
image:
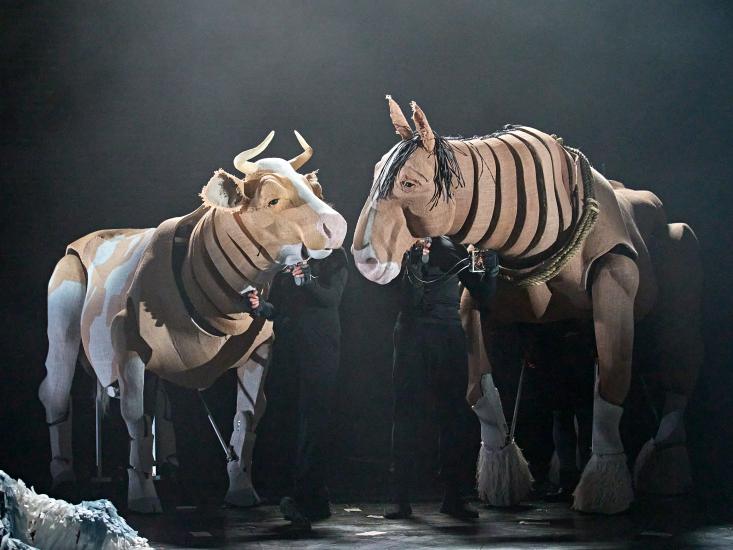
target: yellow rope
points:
(555, 263)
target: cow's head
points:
(406, 200)
(282, 209)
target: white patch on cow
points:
(302, 187)
(290, 254)
(100, 347)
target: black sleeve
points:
(327, 289)
(266, 310)
(482, 286)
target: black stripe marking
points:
(541, 194)
(497, 198)
(471, 217)
(521, 199)
(552, 163)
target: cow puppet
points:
(171, 300)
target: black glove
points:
(445, 254)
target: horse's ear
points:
(223, 191)
(427, 137)
(312, 179)
(399, 121)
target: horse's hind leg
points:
(251, 405)
(66, 291)
(662, 466)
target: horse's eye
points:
(409, 184)
(273, 202)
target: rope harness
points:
(550, 267)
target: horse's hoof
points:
(663, 469)
(604, 486)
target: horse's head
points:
(410, 197)
(283, 210)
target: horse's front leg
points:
(502, 475)
(605, 485)
(251, 404)
(141, 494)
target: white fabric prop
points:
(502, 473)
(32, 521)
(605, 485)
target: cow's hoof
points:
(243, 498)
(241, 492)
(663, 469)
(605, 486)
(141, 494)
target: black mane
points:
(446, 168)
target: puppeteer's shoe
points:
(458, 508)
(398, 510)
(292, 512)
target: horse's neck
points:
(475, 202)
(516, 199)
(217, 269)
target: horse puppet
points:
(171, 300)
(572, 245)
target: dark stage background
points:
(114, 114)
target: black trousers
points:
(430, 373)
(306, 356)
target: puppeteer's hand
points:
(254, 300)
(297, 271)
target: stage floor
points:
(670, 523)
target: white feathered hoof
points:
(241, 492)
(663, 469)
(502, 475)
(141, 494)
(605, 486)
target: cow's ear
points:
(223, 191)
(312, 179)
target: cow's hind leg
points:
(66, 292)
(502, 473)
(141, 494)
(663, 466)
(251, 405)
(605, 485)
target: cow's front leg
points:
(141, 495)
(502, 473)
(605, 485)
(250, 408)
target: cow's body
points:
(171, 300)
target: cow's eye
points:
(273, 202)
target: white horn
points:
(241, 161)
(302, 158)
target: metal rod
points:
(98, 429)
(516, 402)
(228, 451)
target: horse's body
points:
(171, 300)
(587, 247)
